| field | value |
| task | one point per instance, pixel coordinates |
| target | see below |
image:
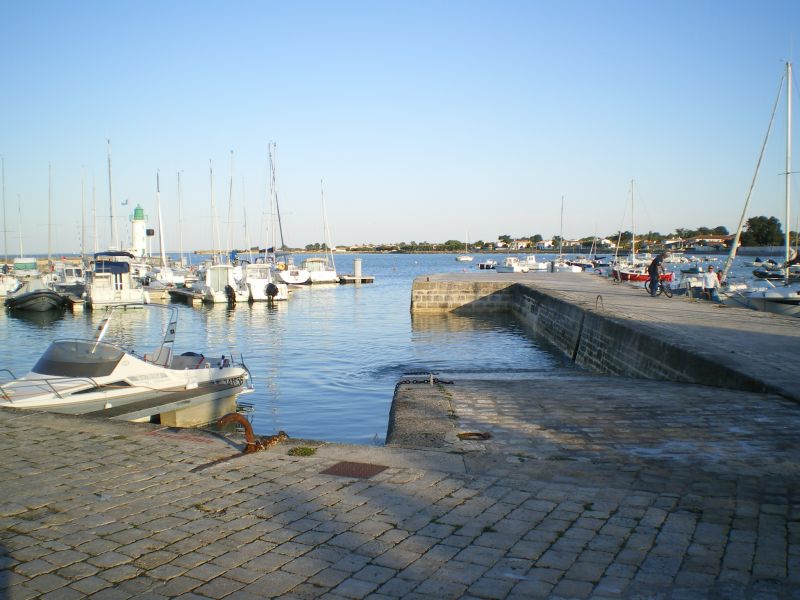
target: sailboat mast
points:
(214, 229)
(274, 166)
(111, 202)
(5, 221)
(787, 242)
(83, 214)
(633, 229)
(160, 224)
(327, 231)
(180, 220)
(94, 216)
(561, 229)
(49, 213)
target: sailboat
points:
(465, 257)
(783, 299)
(322, 269)
(560, 265)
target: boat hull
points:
(37, 301)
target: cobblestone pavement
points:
(588, 487)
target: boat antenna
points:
(735, 243)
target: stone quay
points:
(666, 468)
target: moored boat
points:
(35, 295)
(96, 376)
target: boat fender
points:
(271, 290)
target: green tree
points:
(536, 239)
(762, 231)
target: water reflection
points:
(38, 319)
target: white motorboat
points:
(487, 264)
(533, 264)
(68, 278)
(100, 377)
(320, 270)
(8, 283)
(262, 284)
(511, 264)
(222, 283)
(111, 281)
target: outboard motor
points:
(230, 293)
(271, 290)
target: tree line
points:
(758, 231)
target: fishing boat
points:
(101, 377)
(35, 295)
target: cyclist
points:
(654, 270)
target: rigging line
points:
(735, 243)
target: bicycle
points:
(662, 287)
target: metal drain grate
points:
(354, 469)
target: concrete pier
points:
(619, 329)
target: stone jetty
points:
(587, 484)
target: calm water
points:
(324, 363)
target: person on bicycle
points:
(654, 270)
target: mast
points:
(326, 231)
(49, 213)
(214, 229)
(83, 213)
(735, 243)
(19, 216)
(273, 151)
(180, 220)
(94, 217)
(160, 224)
(111, 202)
(228, 235)
(561, 230)
(787, 242)
(633, 229)
(5, 221)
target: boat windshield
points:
(78, 358)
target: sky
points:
(420, 120)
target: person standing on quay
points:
(654, 270)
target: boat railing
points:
(35, 386)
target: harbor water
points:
(325, 362)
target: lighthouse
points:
(138, 233)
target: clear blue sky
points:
(427, 120)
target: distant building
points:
(544, 245)
(520, 244)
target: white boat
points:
(465, 257)
(25, 267)
(533, 264)
(67, 278)
(511, 264)
(487, 264)
(222, 283)
(560, 265)
(95, 376)
(320, 270)
(289, 274)
(110, 281)
(261, 283)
